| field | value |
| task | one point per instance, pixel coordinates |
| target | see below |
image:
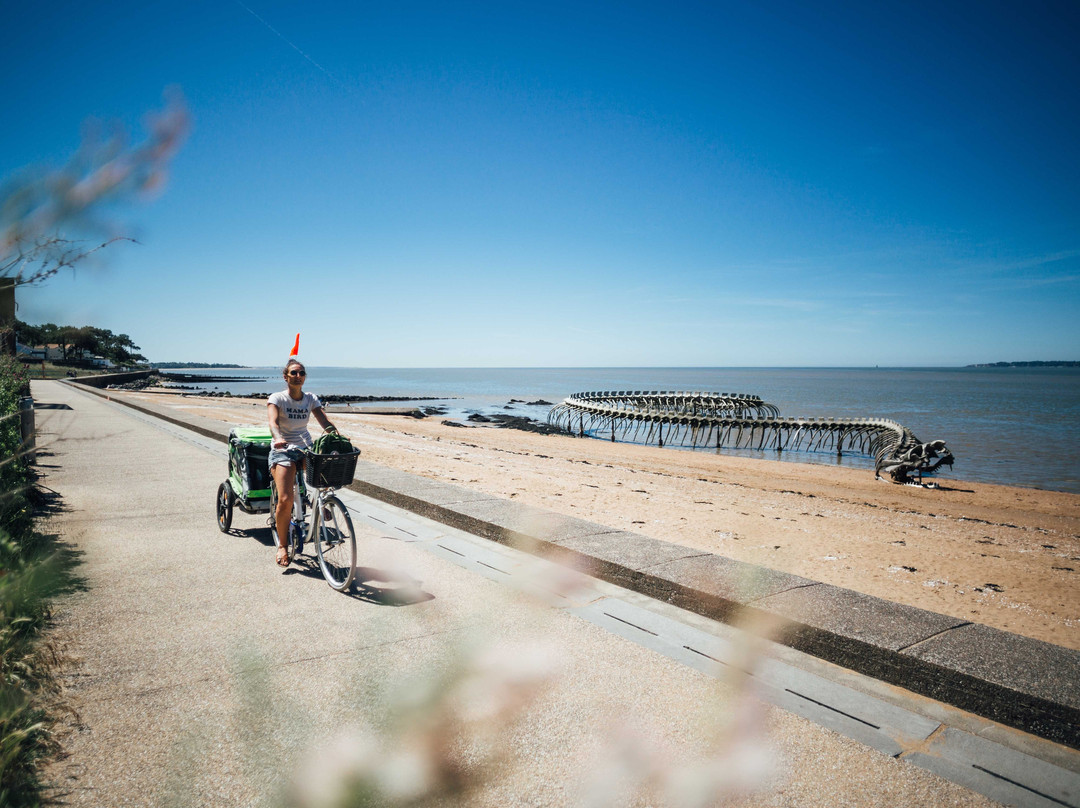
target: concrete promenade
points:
(207, 676)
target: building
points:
(28, 354)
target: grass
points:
(33, 570)
(49, 370)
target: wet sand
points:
(1002, 556)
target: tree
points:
(29, 334)
(65, 335)
(125, 351)
(119, 348)
(48, 333)
(85, 341)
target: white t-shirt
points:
(293, 417)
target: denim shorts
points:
(284, 457)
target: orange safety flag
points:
(296, 347)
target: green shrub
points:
(31, 572)
(14, 474)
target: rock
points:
(527, 425)
(335, 398)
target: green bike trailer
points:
(248, 484)
(249, 474)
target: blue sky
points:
(573, 184)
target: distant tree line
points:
(1039, 364)
(195, 365)
(76, 343)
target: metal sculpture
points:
(741, 421)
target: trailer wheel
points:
(225, 501)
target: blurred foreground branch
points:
(38, 209)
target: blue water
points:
(1013, 426)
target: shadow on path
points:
(381, 587)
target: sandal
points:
(282, 557)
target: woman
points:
(288, 412)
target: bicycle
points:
(331, 526)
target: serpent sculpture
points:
(741, 421)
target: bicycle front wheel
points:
(335, 542)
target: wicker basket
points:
(330, 470)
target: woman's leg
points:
(284, 480)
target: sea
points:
(1007, 425)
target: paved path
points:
(209, 677)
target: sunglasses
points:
(298, 373)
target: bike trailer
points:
(249, 470)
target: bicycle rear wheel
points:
(335, 542)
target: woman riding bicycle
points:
(288, 413)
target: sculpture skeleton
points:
(741, 421)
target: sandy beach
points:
(1002, 556)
